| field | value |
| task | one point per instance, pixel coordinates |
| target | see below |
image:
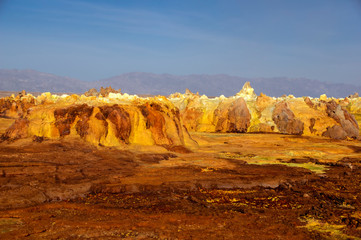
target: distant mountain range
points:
(34, 81)
(164, 84)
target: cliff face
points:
(115, 120)
(247, 112)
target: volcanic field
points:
(108, 165)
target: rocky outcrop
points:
(247, 92)
(355, 95)
(214, 115)
(232, 116)
(344, 118)
(335, 132)
(15, 107)
(103, 92)
(110, 118)
(115, 120)
(92, 93)
(353, 106)
(289, 115)
(286, 121)
(17, 130)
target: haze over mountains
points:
(34, 81)
(164, 84)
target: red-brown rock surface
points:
(347, 121)
(234, 186)
(286, 120)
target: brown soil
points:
(234, 186)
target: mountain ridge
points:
(164, 84)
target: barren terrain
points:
(236, 186)
(108, 165)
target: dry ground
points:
(234, 186)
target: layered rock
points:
(202, 114)
(288, 115)
(110, 118)
(115, 120)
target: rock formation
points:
(344, 118)
(334, 118)
(286, 121)
(353, 106)
(115, 120)
(110, 118)
(103, 92)
(355, 95)
(232, 116)
(207, 115)
(247, 92)
(15, 107)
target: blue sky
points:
(90, 40)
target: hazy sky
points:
(89, 40)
